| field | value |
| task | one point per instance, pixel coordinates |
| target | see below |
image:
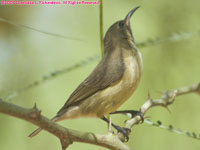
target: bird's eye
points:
(121, 24)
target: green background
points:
(26, 56)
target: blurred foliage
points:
(26, 56)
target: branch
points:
(166, 99)
(174, 37)
(68, 136)
(172, 129)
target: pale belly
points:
(111, 98)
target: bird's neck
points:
(126, 44)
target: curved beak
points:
(128, 16)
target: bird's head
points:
(120, 30)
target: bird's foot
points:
(110, 130)
(124, 131)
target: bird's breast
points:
(115, 95)
(110, 99)
(132, 74)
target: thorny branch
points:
(166, 99)
(68, 136)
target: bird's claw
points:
(124, 131)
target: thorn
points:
(146, 117)
(168, 109)
(35, 107)
(35, 112)
(149, 96)
(65, 142)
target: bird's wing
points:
(108, 71)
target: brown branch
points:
(68, 136)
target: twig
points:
(172, 129)
(166, 99)
(38, 30)
(68, 136)
(101, 26)
(174, 37)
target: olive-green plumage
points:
(113, 80)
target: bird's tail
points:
(34, 133)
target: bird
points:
(113, 80)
